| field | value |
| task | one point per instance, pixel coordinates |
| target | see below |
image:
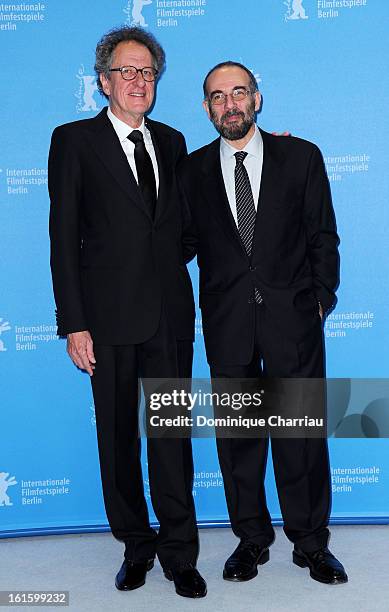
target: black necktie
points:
(145, 171)
(245, 208)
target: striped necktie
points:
(245, 208)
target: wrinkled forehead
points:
(227, 78)
(132, 53)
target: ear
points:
(257, 98)
(105, 83)
(206, 108)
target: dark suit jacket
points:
(112, 265)
(294, 260)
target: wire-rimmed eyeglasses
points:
(219, 97)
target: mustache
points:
(230, 113)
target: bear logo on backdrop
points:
(4, 326)
(134, 12)
(6, 482)
(295, 10)
(86, 91)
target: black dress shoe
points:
(132, 574)
(188, 581)
(242, 565)
(322, 564)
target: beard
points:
(234, 130)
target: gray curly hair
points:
(106, 46)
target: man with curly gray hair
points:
(124, 298)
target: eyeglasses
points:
(238, 93)
(129, 73)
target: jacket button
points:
(252, 268)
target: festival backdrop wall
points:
(320, 65)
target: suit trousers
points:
(170, 465)
(301, 465)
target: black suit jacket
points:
(294, 261)
(112, 265)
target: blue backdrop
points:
(321, 67)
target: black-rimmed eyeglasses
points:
(129, 73)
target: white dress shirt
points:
(253, 164)
(123, 130)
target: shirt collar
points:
(253, 147)
(123, 130)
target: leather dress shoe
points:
(242, 564)
(322, 564)
(132, 574)
(188, 581)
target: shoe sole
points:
(150, 566)
(169, 576)
(301, 562)
(264, 558)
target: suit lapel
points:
(273, 160)
(216, 194)
(106, 145)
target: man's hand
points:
(80, 349)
